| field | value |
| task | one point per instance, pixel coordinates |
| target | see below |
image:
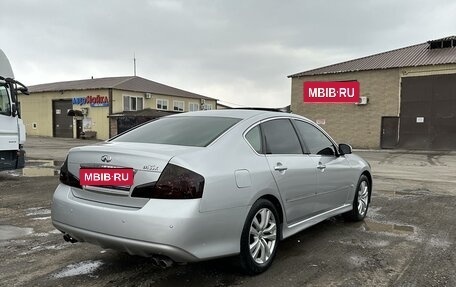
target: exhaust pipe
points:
(165, 262)
(162, 261)
(155, 261)
(68, 238)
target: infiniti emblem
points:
(105, 158)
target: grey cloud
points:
(237, 51)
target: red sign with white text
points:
(106, 176)
(331, 92)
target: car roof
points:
(233, 113)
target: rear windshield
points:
(186, 131)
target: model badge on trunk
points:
(151, 168)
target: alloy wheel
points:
(363, 197)
(263, 235)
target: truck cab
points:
(12, 129)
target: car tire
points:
(262, 232)
(361, 200)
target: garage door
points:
(428, 113)
(62, 123)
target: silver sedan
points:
(210, 184)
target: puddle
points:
(409, 192)
(39, 171)
(41, 218)
(40, 248)
(81, 268)
(9, 232)
(37, 211)
(42, 234)
(38, 167)
(388, 228)
(365, 243)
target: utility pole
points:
(134, 64)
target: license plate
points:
(106, 176)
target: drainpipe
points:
(110, 111)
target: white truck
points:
(12, 129)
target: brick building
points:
(409, 98)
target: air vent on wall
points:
(362, 101)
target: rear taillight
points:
(175, 182)
(67, 177)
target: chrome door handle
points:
(280, 168)
(321, 166)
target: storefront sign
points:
(331, 92)
(94, 101)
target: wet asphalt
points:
(407, 239)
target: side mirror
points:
(13, 110)
(23, 90)
(345, 149)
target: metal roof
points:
(129, 83)
(143, 113)
(411, 56)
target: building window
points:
(132, 103)
(178, 106)
(162, 104)
(207, 107)
(193, 107)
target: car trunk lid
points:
(146, 160)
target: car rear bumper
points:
(131, 246)
(174, 228)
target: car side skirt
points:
(289, 230)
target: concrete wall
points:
(357, 125)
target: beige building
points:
(407, 98)
(65, 109)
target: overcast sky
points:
(239, 52)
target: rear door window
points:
(280, 137)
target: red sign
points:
(106, 176)
(331, 92)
